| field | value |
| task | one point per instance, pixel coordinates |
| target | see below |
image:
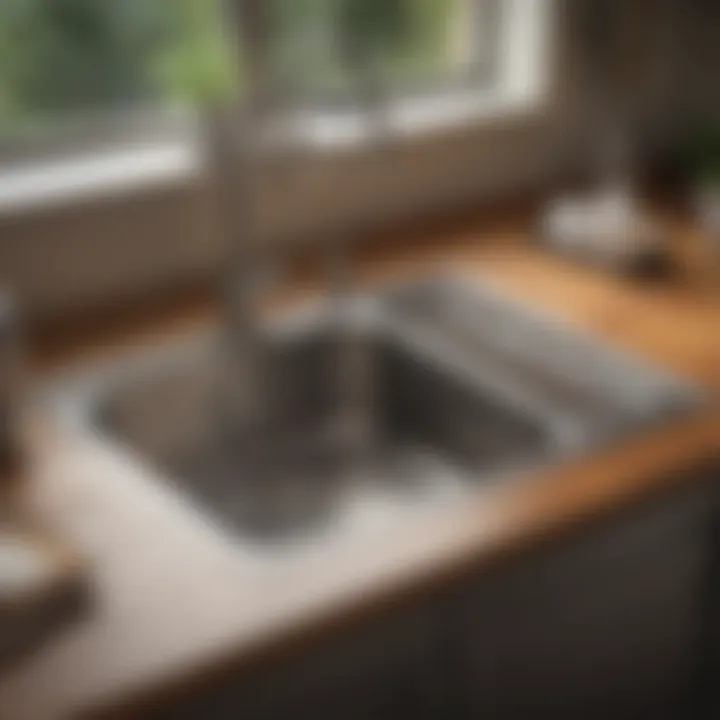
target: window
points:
(65, 60)
(61, 60)
(317, 46)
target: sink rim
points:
(74, 394)
(76, 397)
(79, 400)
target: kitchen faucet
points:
(235, 141)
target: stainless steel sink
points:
(468, 388)
(438, 429)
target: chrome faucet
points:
(231, 134)
(235, 150)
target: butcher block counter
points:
(176, 605)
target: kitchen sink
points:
(465, 388)
(437, 429)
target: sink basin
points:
(466, 388)
(438, 428)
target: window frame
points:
(112, 130)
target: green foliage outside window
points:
(66, 56)
(316, 40)
(60, 57)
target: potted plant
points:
(703, 162)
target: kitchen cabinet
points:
(605, 622)
(605, 625)
(381, 670)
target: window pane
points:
(407, 43)
(60, 57)
(302, 48)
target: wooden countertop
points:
(175, 601)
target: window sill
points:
(78, 180)
(81, 179)
(408, 119)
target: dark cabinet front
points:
(605, 623)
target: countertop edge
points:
(538, 511)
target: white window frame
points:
(157, 146)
